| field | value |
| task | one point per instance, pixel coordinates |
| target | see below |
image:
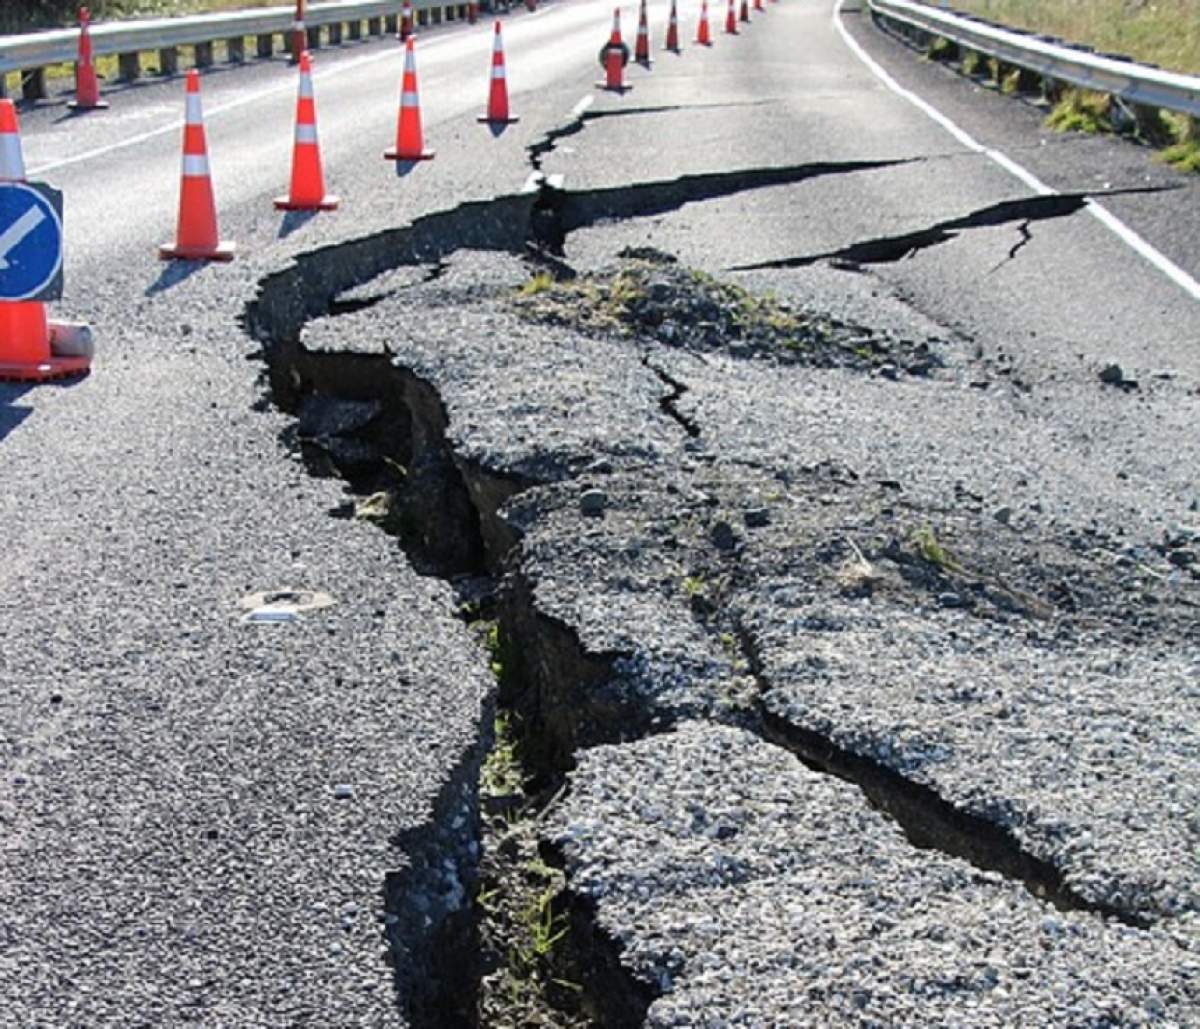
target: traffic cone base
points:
(99, 105)
(27, 346)
(45, 371)
(510, 120)
(396, 155)
(223, 251)
(327, 203)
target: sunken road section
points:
(844, 738)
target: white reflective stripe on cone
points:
(306, 133)
(12, 164)
(195, 165)
(193, 114)
(497, 45)
(498, 71)
(306, 90)
(409, 100)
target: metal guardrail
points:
(1052, 59)
(41, 49)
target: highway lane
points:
(181, 830)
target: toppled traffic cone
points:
(672, 31)
(497, 111)
(641, 47)
(87, 86)
(196, 237)
(410, 143)
(703, 36)
(307, 191)
(29, 347)
(406, 22)
(731, 20)
(744, 13)
(614, 55)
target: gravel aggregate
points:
(747, 890)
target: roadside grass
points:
(1162, 32)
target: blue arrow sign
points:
(30, 241)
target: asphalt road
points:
(225, 823)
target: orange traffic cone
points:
(410, 145)
(472, 13)
(731, 20)
(307, 192)
(26, 335)
(497, 112)
(703, 36)
(673, 31)
(531, 5)
(196, 237)
(406, 22)
(758, 5)
(298, 41)
(744, 14)
(87, 87)
(615, 54)
(641, 48)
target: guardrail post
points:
(168, 60)
(1028, 81)
(391, 24)
(129, 67)
(375, 26)
(235, 50)
(204, 55)
(354, 28)
(33, 84)
(266, 45)
(335, 33)
(313, 32)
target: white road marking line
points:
(17, 231)
(1106, 218)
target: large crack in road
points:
(635, 559)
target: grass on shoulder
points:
(1164, 32)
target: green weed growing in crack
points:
(522, 921)
(927, 546)
(542, 282)
(694, 586)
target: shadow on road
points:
(11, 414)
(294, 220)
(173, 273)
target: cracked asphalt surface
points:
(874, 689)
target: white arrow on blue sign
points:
(30, 241)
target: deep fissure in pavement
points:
(384, 429)
(890, 249)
